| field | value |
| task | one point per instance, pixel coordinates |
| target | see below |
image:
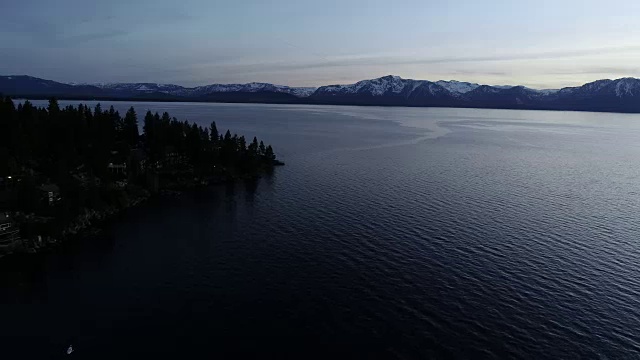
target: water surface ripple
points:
(390, 233)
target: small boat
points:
(69, 350)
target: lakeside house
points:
(137, 161)
(50, 193)
(118, 163)
(174, 157)
(118, 168)
(9, 232)
(83, 178)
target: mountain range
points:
(621, 95)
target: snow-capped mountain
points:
(394, 90)
(620, 88)
(389, 84)
(621, 95)
(200, 91)
(511, 97)
(602, 95)
(146, 87)
(627, 87)
(387, 90)
(375, 87)
(547, 91)
(397, 85)
(251, 88)
(457, 87)
(586, 89)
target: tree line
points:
(203, 146)
(51, 144)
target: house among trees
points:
(50, 193)
(95, 159)
(9, 233)
(173, 157)
(137, 161)
(82, 177)
(118, 168)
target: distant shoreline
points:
(303, 102)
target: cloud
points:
(547, 55)
(27, 27)
(478, 72)
(79, 38)
(48, 34)
(619, 70)
(327, 62)
(82, 25)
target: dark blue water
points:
(390, 233)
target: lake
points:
(405, 233)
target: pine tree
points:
(150, 129)
(115, 125)
(130, 127)
(213, 133)
(253, 148)
(242, 144)
(261, 148)
(205, 136)
(227, 148)
(53, 107)
(269, 153)
(234, 143)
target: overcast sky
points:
(541, 44)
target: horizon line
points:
(310, 87)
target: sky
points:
(540, 44)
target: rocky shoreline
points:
(86, 223)
(73, 167)
(89, 220)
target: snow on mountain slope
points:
(135, 87)
(389, 84)
(586, 89)
(252, 87)
(546, 91)
(379, 86)
(302, 91)
(374, 87)
(457, 87)
(627, 87)
(486, 89)
(620, 95)
(204, 90)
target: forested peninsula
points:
(64, 169)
